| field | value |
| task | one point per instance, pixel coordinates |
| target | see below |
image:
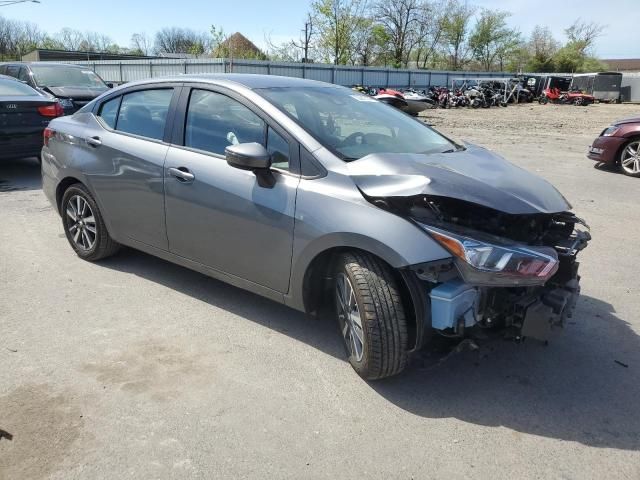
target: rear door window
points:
(13, 71)
(145, 112)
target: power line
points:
(6, 3)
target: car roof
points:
(47, 64)
(54, 65)
(247, 80)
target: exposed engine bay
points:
(530, 301)
(531, 229)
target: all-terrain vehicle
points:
(576, 97)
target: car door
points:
(218, 215)
(125, 141)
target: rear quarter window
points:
(109, 112)
(15, 88)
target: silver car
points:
(321, 198)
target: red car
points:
(619, 144)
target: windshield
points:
(15, 88)
(353, 125)
(48, 76)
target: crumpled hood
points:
(474, 175)
(80, 93)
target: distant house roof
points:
(43, 55)
(239, 45)
(623, 64)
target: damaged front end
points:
(511, 272)
(512, 239)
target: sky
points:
(282, 20)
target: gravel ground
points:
(138, 368)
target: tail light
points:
(54, 110)
(47, 135)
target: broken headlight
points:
(496, 262)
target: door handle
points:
(94, 141)
(182, 174)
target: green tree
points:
(338, 23)
(491, 39)
(541, 48)
(401, 21)
(455, 33)
(572, 59)
(430, 32)
(577, 54)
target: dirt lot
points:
(138, 368)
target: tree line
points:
(430, 34)
(436, 34)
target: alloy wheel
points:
(630, 159)
(81, 223)
(349, 317)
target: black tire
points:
(381, 312)
(103, 246)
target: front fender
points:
(346, 220)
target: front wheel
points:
(630, 158)
(84, 226)
(370, 315)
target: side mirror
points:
(248, 156)
(110, 85)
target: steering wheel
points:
(351, 139)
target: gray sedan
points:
(321, 198)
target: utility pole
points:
(308, 30)
(305, 42)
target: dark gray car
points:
(74, 86)
(318, 197)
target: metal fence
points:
(121, 71)
(630, 87)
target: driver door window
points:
(23, 75)
(215, 121)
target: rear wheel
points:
(370, 315)
(84, 226)
(630, 158)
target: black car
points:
(24, 114)
(73, 85)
